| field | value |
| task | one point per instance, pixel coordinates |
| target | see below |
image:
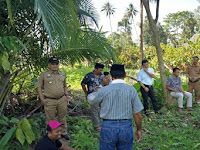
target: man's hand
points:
(138, 135)
(185, 95)
(96, 89)
(43, 101)
(176, 91)
(145, 69)
(146, 89)
(106, 81)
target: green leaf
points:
(5, 63)
(5, 118)
(26, 127)
(20, 135)
(3, 122)
(197, 145)
(14, 44)
(9, 10)
(7, 136)
(14, 120)
(7, 43)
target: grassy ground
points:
(170, 131)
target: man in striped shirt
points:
(118, 102)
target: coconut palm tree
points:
(109, 10)
(130, 13)
(31, 31)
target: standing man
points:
(55, 98)
(145, 79)
(176, 90)
(93, 80)
(119, 102)
(193, 73)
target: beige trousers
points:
(59, 107)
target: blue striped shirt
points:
(117, 100)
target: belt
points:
(147, 85)
(115, 119)
(54, 98)
(194, 81)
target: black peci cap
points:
(53, 60)
(117, 67)
(99, 65)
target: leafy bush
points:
(16, 134)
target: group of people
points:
(111, 100)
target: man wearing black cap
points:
(55, 98)
(119, 102)
(93, 80)
(51, 140)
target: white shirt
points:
(144, 77)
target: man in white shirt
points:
(145, 79)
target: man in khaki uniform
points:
(193, 73)
(55, 98)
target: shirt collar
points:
(117, 81)
(51, 72)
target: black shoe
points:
(147, 114)
(160, 113)
(66, 136)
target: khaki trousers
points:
(94, 111)
(196, 87)
(57, 106)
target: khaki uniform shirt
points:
(53, 83)
(193, 71)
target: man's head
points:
(98, 68)
(195, 60)
(176, 72)
(54, 130)
(145, 63)
(117, 71)
(53, 64)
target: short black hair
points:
(106, 73)
(144, 61)
(48, 128)
(117, 74)
(195, 57)
(174, 69)
(98, 65)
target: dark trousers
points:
(150, 94)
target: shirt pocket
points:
(48, 81)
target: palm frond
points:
(51, 13)
(87, 12)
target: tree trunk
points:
(111, 32)
(141, 33)
(158, 50)
(5, 80)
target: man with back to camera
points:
(193, 74)
(145, 79)
(119, 102)
(51, 140)
(55, 99)
(93, 80)
(176, 90)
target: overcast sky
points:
(166, 7)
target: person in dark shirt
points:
(51, 140)
(93, 80)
